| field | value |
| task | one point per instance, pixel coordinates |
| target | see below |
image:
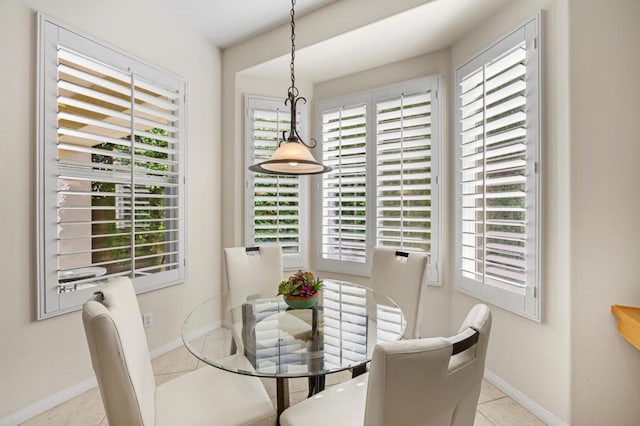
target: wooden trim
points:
(628, 323)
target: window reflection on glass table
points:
(337, 334)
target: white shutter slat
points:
(78, 60)
(516, 56)
(342, 122)
(411, 144)
(472, 80)
(336, 143)
(404, 134)
(395, 122)
(344, 113)
(413, 111)
(406, 101)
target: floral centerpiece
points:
(300, 291)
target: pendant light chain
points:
(292, 156)
(293, 49)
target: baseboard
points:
(71, 392)
(539, 411)
(48, 403)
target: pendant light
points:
(292, 156)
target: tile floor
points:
(494, 407)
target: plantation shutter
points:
(498, 154)
(344, 189)
(383, 190)
(403, 181)
(112, 153)
(274, 202)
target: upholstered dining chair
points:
(400, 275)
(253, 272)
(121, 362)
(431, 381)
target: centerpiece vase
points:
(301, 302)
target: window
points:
(383, 190)
(498, 180)
(111, 184)
(275, 204)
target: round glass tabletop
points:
(264, 337)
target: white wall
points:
(605, 206)
(41, 358)
(535, 357)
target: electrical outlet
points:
(147, 320)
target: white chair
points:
(253, 272)
(400, 275)
(434, 381)
(120, 359)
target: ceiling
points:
(429, 27)
(229, 22)
(423, 29)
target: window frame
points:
(370, 98)
(289, 262)
(527, 303)
(51, 35)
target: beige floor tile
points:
(481, 420)
(87, 409)
(296, 397)
(489, 392)
(176, 361)
(335, 378)
(505, 411)
(83, 410)
(295, 385)
(216, 347)
(270, 386)
(298, 385)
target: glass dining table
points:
(263, 337)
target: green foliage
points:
(300, 284)
(114, 221)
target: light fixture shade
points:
(291, 158)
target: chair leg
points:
(358, 370)
(282, 394)
(316, 384)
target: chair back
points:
(400, 275)
(421, 381)
(254, 272)
(120, 355)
